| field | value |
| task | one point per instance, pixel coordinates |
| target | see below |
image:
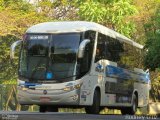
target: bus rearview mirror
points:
(82, 48)
(13, 46)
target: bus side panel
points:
(143, 93)
(90, 82)
(86, 93)
(106, 98)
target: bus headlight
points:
(78, 86)
(23, 88)
(70, 88)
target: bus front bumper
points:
(48, 97)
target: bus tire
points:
(131, 110)
(42, 108)
(95, 107)
(52, 109)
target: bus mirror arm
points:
(82, 48)
(147, 71)
(12, 49)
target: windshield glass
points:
(49, 57)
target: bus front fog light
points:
(74, 97)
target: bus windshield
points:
(49, 58)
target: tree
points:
(146, 9)
(152, 57)
(58, 9)
(152, 29)
(114, 14)
(16, 16)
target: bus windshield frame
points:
(49, 58)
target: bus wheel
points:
(52, 109)
(95, 107)
(42, 108)
(131, 110)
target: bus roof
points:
(78, 26)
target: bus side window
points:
(107, 48)
(100, 50)
(89, 48)
(131, 56)
(115, 49)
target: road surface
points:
(68, 116)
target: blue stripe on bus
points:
(27, 84)
(112, 71)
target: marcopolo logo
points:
(45, 92)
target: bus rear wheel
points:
(95, 107)
(131, 110)
(42, 108)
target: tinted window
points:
(101, 47)
(115, 48)
(65, 43)
(37, 45)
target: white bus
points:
(80, 64)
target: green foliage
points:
(114, 14)
(19, 5)
(92, 11)
(152, 57)
(8, 72)
(16, 16)
(15, 20)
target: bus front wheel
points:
(95, 107)
(51, 108)
(131, 110)
(42, 108)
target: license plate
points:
(45, 99)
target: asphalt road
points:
(68, 116)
